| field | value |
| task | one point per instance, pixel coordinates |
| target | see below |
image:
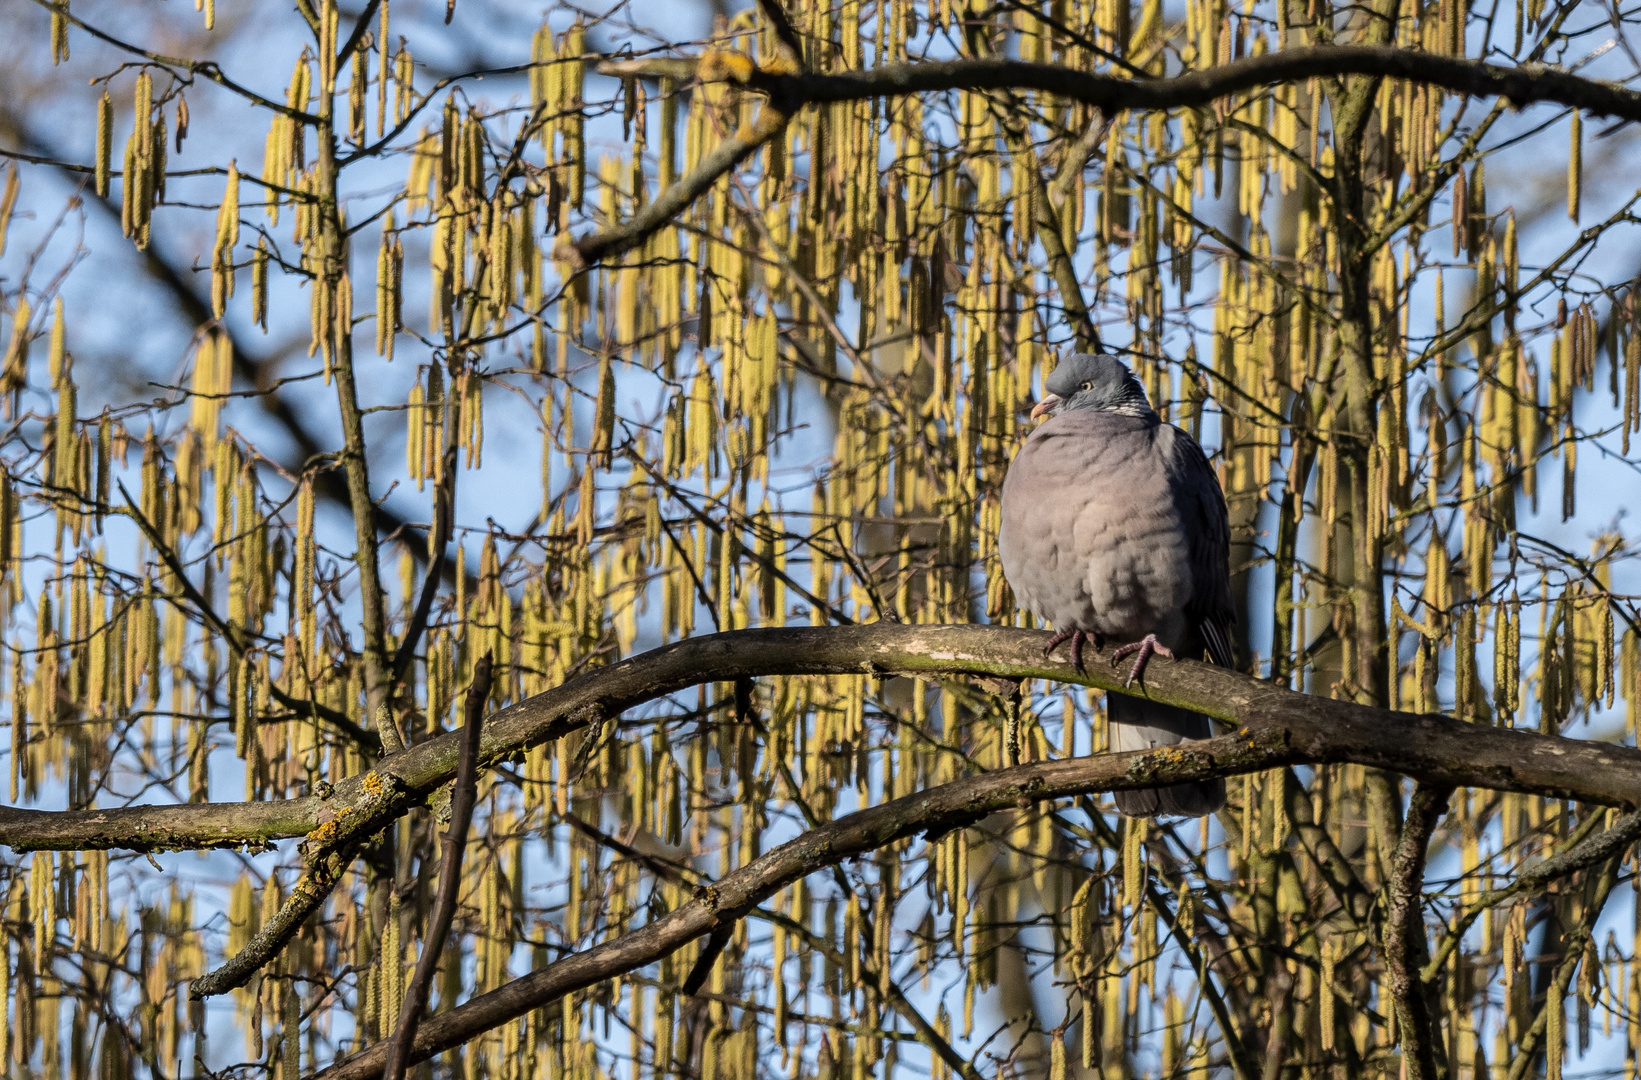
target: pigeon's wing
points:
(1208, 532)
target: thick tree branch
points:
(789, 91)
(323, 871)
(1405, 944)
(1279, 727)
(939, 809)
(1518, 85)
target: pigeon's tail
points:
(1137, 724)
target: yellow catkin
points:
(390, 260)
(1575, 165)
(1325, 1009)
(227, 238)
(1133, 863)
(8, 203)
(105, 143)
(390, 966)
(43, 897)
(1555, 1036)
(59, 32)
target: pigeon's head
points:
(1092, 381)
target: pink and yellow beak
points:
(1045, 408)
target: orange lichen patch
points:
(329, 828)
(375, 786)
(780, 65)
(718, 65)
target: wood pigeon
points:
(1114, 526)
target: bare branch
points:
(617, 240)
(450, 874)
(1279, 727)
(323, 871)
(1405, 945)
(1519, 86)
(789, 92)
(942, 808)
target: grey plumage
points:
(1113, 524)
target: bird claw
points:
(1076, 637)
(1146, 647)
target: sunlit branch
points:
(319, 876)
(1278, 727)
(617, 240)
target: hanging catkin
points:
(227, 238)
(105, 147)
(1575, 164)
(390, 261)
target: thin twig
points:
(454, 844)
(231, 634)
(1578, 855)
(444, 502)
(207, 68)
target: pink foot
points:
(1146, 648)
(1076, 637)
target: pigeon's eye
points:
(1088, 385)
